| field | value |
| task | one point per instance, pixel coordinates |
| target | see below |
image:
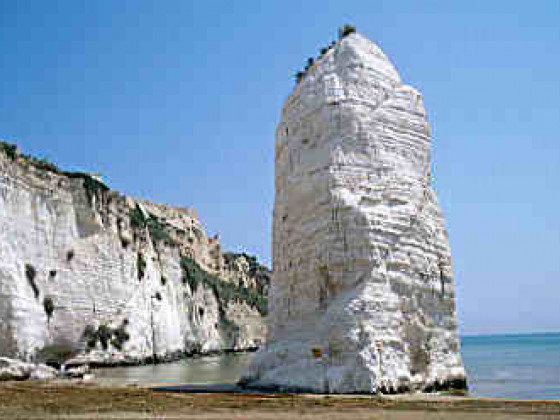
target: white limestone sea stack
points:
(362, 298)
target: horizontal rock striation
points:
(362, 298)
(86, 271)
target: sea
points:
(520, 366)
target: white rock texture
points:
(362, 298)
(16, 370)
(75, 256)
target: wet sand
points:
(77, 400)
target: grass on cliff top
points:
(157, 228)
(91, 185)
(10, 150)
(343, 32)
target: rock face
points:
(16, 370)
(88, 272)
(362, 296)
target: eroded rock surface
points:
(90, 274)
(362, 297)
(16, 370)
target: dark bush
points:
(92, 186)
(39, 163)
(107, 335)
(90, 335)
(48, 305)
(310, 62)
(116, 344)
(137, 219)
(104, 334)
(158, 231)
(10, 150)
(141, 262)
(198, 233)
(346, 30)
(120, 336)
(44, 164)
(157, 228)
(31, 273)
(224, 291)
(55, 355)
(192, 273)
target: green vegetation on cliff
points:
(343, 32)
(106, 335)
(91, 185)
(224, 291)
(10, 150)
(157, 228)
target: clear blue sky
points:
(176, 101)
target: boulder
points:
(16, 370)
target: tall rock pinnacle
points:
(362, 297)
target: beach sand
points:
(77, 400)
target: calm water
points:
(512, 366)
(211, 369)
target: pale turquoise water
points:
(210, 369)
(511, 366)
(523, 366)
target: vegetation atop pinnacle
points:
(343, 32)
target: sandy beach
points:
(78, 400)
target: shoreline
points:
(78, 399)
(149, 360)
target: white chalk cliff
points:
(362, 298)
(90, 273)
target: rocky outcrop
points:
(16, 370)
(362, 298)
(86, 271)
